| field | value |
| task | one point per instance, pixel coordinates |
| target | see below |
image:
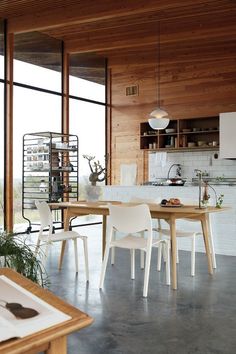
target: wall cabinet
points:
(182, 135)
(50, 169)
(227, 135)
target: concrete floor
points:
(200, 317)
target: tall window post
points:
(8, 129)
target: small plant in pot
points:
(15, 253)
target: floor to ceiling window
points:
(37, 102)
(87, 111)
(1, 121)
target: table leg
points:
(173, 253)
(58, 346)
(63, 247)
(205, 228)
(211, 241)
(104, 232)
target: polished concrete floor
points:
(199, 318)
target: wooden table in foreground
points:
(52, 340)
(168, 213)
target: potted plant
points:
(17, 254)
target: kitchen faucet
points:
(178, 170)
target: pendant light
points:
(158, 117)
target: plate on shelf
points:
(171, 205)
(170, 130)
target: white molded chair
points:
(132, 220)
(179, 233)
(49, 237)
(185, 233)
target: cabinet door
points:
(228, 135)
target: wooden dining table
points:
(170, 214)
(52, 340)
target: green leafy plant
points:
(219, 200)
(17, 254)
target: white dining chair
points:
(132, 221)
(180, 233)
(186, 232)
(48, 237)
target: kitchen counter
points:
(193, 182)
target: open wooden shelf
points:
(187, 135)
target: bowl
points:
(201, 143)
(175, 182)
(186, 130)
(191, 144)
(170, 130)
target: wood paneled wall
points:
(198, 56)
(198, 79)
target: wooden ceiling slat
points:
(125, 31)
(194, 14)
(146, 34)
(87, 11)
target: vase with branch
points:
(205, 196)
(218, 198)
(97, 172)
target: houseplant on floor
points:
(15, 253)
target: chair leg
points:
(76, 255)
(37, 247)
(104, 266)
(167, 251)
(193, 257)
(113, 249)
(85, 244)
(159, 256)
(142, 259)
(142, 254)
(112, 255)
(132, 251)
(46, 252)
(147, 272)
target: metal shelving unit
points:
(50, 169)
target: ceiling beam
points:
(146, 35)
(89, 11)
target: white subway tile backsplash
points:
(203, 160)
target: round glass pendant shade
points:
(158, 113)
(158, 123)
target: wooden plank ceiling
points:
(110, 27)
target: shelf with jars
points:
(191, 134)
(50, 169)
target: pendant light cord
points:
(158, 64)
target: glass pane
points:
(1, 154)
(34, 111)
(1, 123)
(1, 50)
(37, 60)
(87, 120)
(87, 77)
